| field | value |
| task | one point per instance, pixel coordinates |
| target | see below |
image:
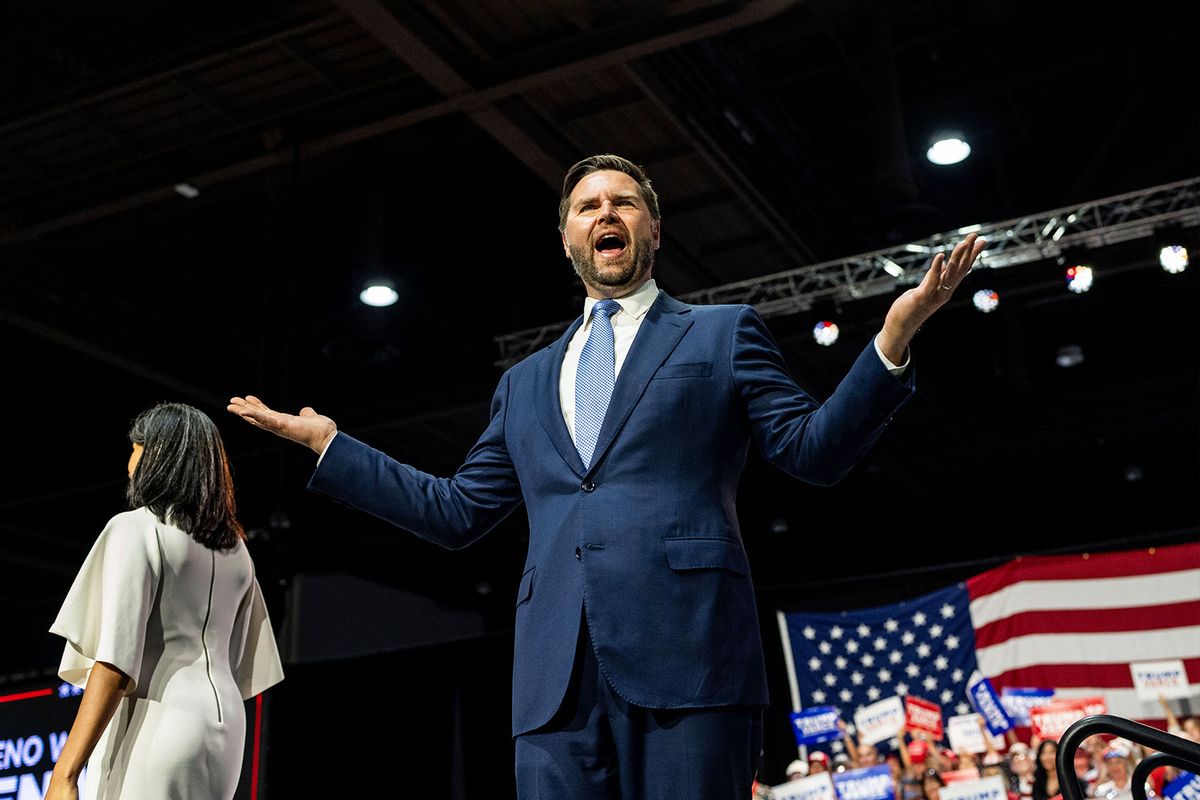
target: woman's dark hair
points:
(1040, 775)
(183, 473)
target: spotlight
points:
(947, 150)
(379, 294)
(1079, 278)
(986, 300)
(1174, 258)
(825, 332)
(1069, 355)
(186, 190)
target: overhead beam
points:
(476, 100)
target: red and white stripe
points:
(1075, 623)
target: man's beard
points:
(632, 273)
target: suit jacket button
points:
(588, 486)
(578, 554)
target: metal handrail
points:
(1152, 762)
(1185, 752)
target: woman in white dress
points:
(166, 627)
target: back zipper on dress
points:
(204, 635)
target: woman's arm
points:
(105, 687)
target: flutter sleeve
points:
(105, 613)
(252, 649)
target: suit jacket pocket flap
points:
(710, 553)
(525, 590)
(697, 369)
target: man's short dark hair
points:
(600, 163)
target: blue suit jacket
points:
(646, 542)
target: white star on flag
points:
(841, 662)
(825, 647)
(818, 697)
(918, 618)
(930, 683)
(962, 708)
(836, 632)
(952, 642)
(908, 638)
(857, 678)
(913, 670)
(881, 643)
(901, 689)
(873, 693)
(868, 660)
(863, 631)
(810, 632)
(935, 631)
(851, 646)
(947, 696)
(814, 663)
(830, 679)
(895, 657)
(846, 695)
(947, 611)
(957, 675)
(891, 625)
(923, 650)
(885, 676)
(941, 662)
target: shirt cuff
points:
(326, 450)
(896, 371)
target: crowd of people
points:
(920, 768)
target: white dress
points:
(189, 626)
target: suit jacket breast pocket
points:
(695, 369)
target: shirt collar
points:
(635, 305)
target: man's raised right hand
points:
(314, 431)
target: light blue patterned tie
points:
(595, 379)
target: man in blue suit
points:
(639, 669)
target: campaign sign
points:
(966, 737)
(814, 787)
(1017, 702)
(1185, 787)
(870, 783)
(985, 700)
(816, 725)
(1160, 678)
(880, 721)
(960, 775)
(992, 788)
(924, 716)
(1051, 720)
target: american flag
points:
(1069, 623)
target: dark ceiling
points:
(332, 141)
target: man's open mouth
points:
(610, 245)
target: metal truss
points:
(1017, 241)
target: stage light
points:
(379, 294)
(892, 268)
(825, 333)
(1079, 278)
(186, 190)
(986, 300)
(1174, 258)
(947, 151)
(1069, 355)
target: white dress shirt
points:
(625, 327)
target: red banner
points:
(923, 716)
(1051, 720)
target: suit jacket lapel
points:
(549, 410)
(664, 325)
